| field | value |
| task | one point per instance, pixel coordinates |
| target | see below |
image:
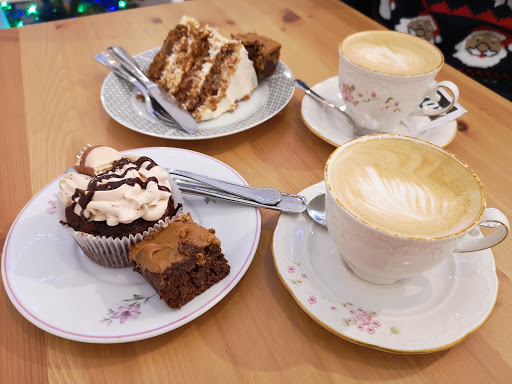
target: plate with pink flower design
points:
(57, 288)
(326, 123)
(426, 313)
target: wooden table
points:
(50, 107)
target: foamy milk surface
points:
(406, 188)
(391, 52)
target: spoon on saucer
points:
(304, 87)
(316, 209)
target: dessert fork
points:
(167, 102)
(265, 196)
(152, 107)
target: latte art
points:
(397, 200)
(406, 188)
(391, 52)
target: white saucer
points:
(56, 287)
(425, 313)
(327, 124)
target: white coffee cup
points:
(397, 206)
(384, 76)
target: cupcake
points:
(113, 201)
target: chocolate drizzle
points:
(84, 197)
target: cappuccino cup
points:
(384, 76)
(397, 206)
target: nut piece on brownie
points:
(263, 51)
(180, 261)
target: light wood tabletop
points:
(50, 107)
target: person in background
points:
(475, 36)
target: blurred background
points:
(17, 13)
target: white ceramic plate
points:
(57, 288)
(425, 313)
(273, 93)
(327, 123)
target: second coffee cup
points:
(397, 206)
(384, 76)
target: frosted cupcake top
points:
(115, 188)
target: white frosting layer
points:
(242, 83)
(125, 203)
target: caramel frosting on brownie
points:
(115, 188)
(173, 244)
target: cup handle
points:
(491, 218)
(429, 110)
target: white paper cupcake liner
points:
(110, 252)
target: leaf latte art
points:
(406, 188)
(396, 199)
(391, 52)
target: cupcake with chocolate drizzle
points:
(113, 201)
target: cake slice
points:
(181, 261)
(206, 72)
(263, 51)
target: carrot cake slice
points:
(206, 72)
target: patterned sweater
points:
(475, 36)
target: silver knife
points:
(105, 59)
(167, 102)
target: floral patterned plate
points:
(57, 288)
(273, 93)
(425, 313)
(326, 123)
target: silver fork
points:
(265, 196)
(152, 107)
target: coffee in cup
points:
(384, 76)
(397, 206)
(392, 53)
(406, 188)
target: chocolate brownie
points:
(180, 261)
(263, 51)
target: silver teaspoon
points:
(316, 209)
(304, 87)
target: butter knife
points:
(166, 101)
